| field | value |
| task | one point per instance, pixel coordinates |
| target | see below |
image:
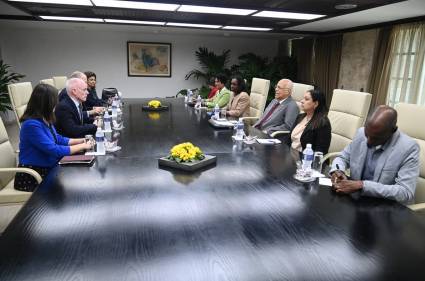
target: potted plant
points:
(211, 65)
(6, 78)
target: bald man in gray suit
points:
(383, 161)
(281, 113)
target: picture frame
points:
(149, 59)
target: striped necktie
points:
(268, 114)
(80, 111)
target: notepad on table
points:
(268, 141)
(77, 159)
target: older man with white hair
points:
(281, 113)
(71, 120)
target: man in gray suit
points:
(281, 113)
(383, 161)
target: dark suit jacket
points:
(92, 99)
(68, 121)
(320, 138)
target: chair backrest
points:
(59, 82)
(48, 81)
(298, 92)
(347, 113)
(20, 94)
(258, 96)
(8, 158)
(408, 117)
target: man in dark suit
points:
(71, 120)
(281, 113)
(75, 74)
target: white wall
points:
(40, 53)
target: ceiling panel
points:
(326, 7)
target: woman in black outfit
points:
(313, 125)
(92, 97)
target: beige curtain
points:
(380, 73)
(407, 69)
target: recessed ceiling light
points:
(135, 22)
(287, 15)
(247, 28)
(192, 25)
(345, 6)
(215, 10)
(135, 5)
(71, 18)
(59, 2)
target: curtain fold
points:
(380, 73)
(326, 63)
(302, 51)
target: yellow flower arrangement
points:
(154, 115)
(186, 152)
(154, 103)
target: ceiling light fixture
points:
(192, 25)
(58, 2)
(71, 19)
(345, 6)
(287, 15)
(135, 5)
(135, 22)
(215, 10)
(247, 28)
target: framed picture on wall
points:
(149, 59)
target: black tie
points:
(80, 111)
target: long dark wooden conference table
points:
(245, 218)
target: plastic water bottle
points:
(216, 112)
(198, 101)
(107, 121)
(239, 130)
(189, 95)
(308, 156)
(100, 141)
(114, 109)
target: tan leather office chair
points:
(8, 195)
(347, 113)
(20, 94)
(59, 82)
(48, 81)
(257, 98)
(298, 92)
(407, 122)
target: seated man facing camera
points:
(383, 161)
(281, 113)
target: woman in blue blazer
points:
(40, 146)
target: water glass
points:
(89, 139)
(317, 161)
(223, 114)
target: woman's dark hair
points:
(321, 110)
(222, 78)
(241, 84)
(43, 100)
(90, 74)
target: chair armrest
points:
(33, 173)
(417, 207)
(330, 155)
(277, 133)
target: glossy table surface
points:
(244, 218)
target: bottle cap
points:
(308, 145)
